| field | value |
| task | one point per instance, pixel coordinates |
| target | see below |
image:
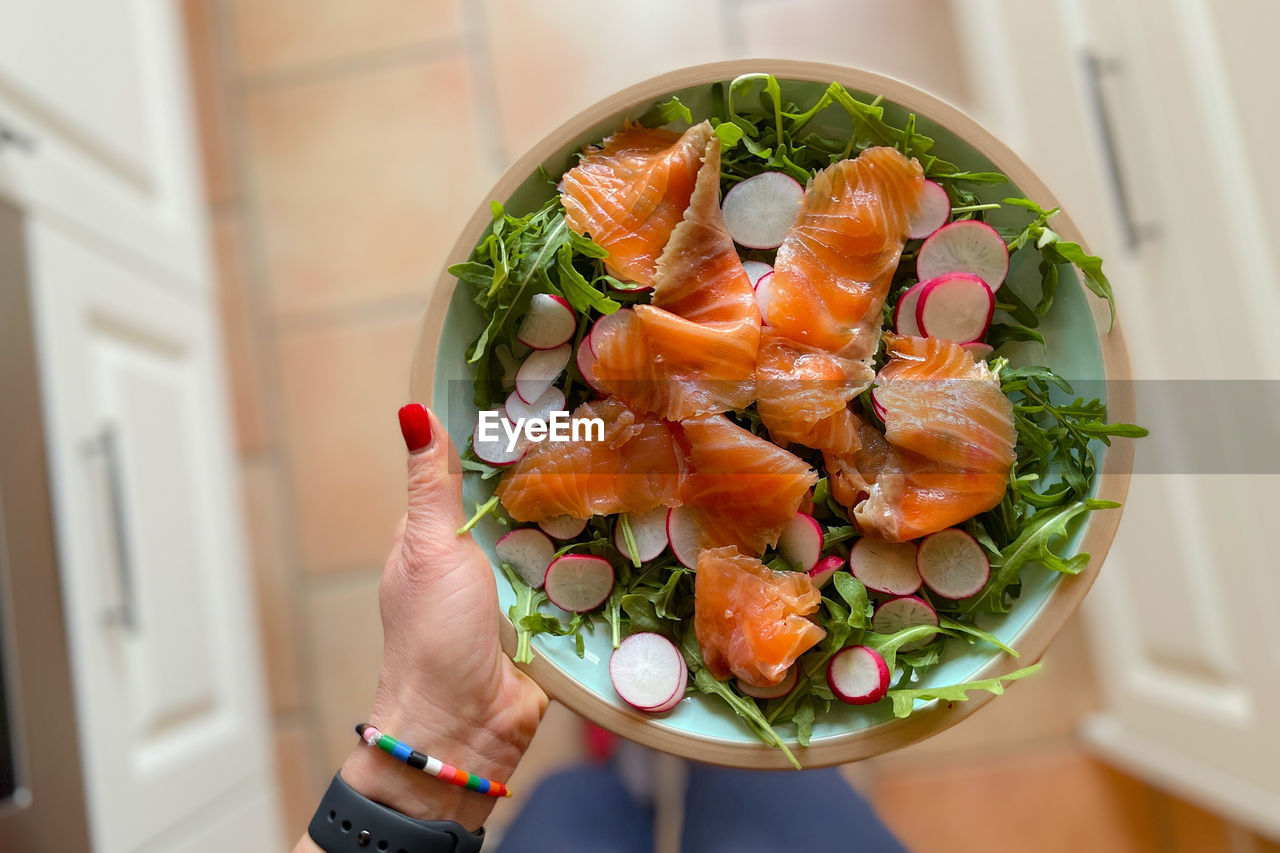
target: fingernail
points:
(415, 426)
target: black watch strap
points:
(348, 822)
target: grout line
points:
(328, 70)
(480, 54)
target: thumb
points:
(435, 480)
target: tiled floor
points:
(343, 143)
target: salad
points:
(878, 600)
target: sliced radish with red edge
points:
(675, 697)
(648, 529)
(953, 564)
(822, 573)
(904, 313)
(563, 526)
(587, 365)
(858, 675)
(933, 213)
(552, 400)
(602, 328)
(906, 612)
(647, 671)
(956, 306)
(764, 295)
(540, 370)
(756, 270)
(777, 691)
(761, 210)
(579, 582)
(966, 246)
(549, 323)
(801, 541)
(494, 445)
(978, 350)
(879, 408)
(885, 566)
(529, 551)
(685, 536)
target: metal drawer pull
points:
(106, 444)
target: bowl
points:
(704, 728)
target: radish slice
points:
(953, 564)
(552, 400)
(880, 410)
(563, 526)
(756, 270)
(646, 669)
(648, 529)
(540, 370)
(933, 213)
(601, 329)
(675, 697)
(529, 552)
(685, 537)
(587, 365)
(978, 350)
(801, 541)
(826, 567)
(904, 313)
(956, 306)
(777, 691)
(906, 612)
(579, 582)
(760, 210)
(549, 323)
(885, 566)
(493, 446)
(858, 675)
(764, 295)
(966, 246)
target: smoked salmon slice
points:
(692, 350)
(750, 620)
(629, 194)
(947, 448)
(638, 466)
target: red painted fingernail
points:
(415, 425)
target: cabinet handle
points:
(1096, 67)
(106, 444)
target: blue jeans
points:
(586, 809)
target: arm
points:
(445, 687)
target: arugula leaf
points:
(904, 700)
(854, 594)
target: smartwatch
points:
(348, 822)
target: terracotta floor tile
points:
(240, 333)
(208, 85)
(1060, 801)
(345, 636)
(340, 390)
(583, 52)
(1195, 830)
(913, 40)
(363, 182)
(272, 35)
(277, 594)
(301, 781)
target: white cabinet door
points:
(97, 89)
(1148, 119)
(153, 570)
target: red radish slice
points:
(587, 365)
(675, 697)
(826, 567)
(601, 327)
(648, 529)
(906, 612)
(933, 213)
(540, 370)
(529, 552)
(777, 691)
(552, 400)
(904, 313)
(885, 566)
(801, 541)
(978, 350)
(494, 445)
(880, 410)
(764, 295)
(956, 306)
(563, 526)
(646, 670)
(858, 675)
(579, 582)
(549, 323)
(966, 246)
(953, 564)
(760, 210)
(756, 270)
(685, 537)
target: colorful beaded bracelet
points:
(434, 766)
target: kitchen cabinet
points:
(164, 654)
(1153, 122)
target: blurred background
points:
(219, 224)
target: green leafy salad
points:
(530, 252)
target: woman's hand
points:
(445, 687)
